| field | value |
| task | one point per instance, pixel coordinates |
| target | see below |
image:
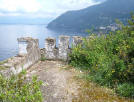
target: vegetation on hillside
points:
(109, 59)
(95, 16)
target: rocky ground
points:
(62, 83)
(58, 83)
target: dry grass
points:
(2, 67)
(3, 62)
(91, 92)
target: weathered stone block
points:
(22, 43)
(63, 47)
(77, 40)
(50, 49)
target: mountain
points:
(96, 16)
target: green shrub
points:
(109, 58)
(17, 89)
(126, 89)
(43, 58)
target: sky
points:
(42, 8)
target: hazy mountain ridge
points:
(96, 16)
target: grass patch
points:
(2, 67)
(3, 62)
(125, 89)
(92, 92)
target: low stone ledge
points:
(29, 54)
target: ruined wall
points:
(29, 53)
(52, 52)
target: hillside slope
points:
(102, 14)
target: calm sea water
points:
(10, 33)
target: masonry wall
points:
(62, 51)
(29, 54)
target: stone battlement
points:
(51, 52)
(29, 53)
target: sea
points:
(10, 32)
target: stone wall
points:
(29, 53)
(52, 52)
(77, 40)
(64, 47)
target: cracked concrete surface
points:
(58, 83)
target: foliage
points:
(17, 89)
(91, 92)
(3, 62)
(43, 58)
(101, 15)
(125, 89)
(2, 67)
(109, 58)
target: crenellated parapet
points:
(29, 52)
(60, 52)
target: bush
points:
(109, 58)
(43, 58)
(126, 89)
(16, 89)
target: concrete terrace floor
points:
(58, 83)
(61, 83)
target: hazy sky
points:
(42, 8)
